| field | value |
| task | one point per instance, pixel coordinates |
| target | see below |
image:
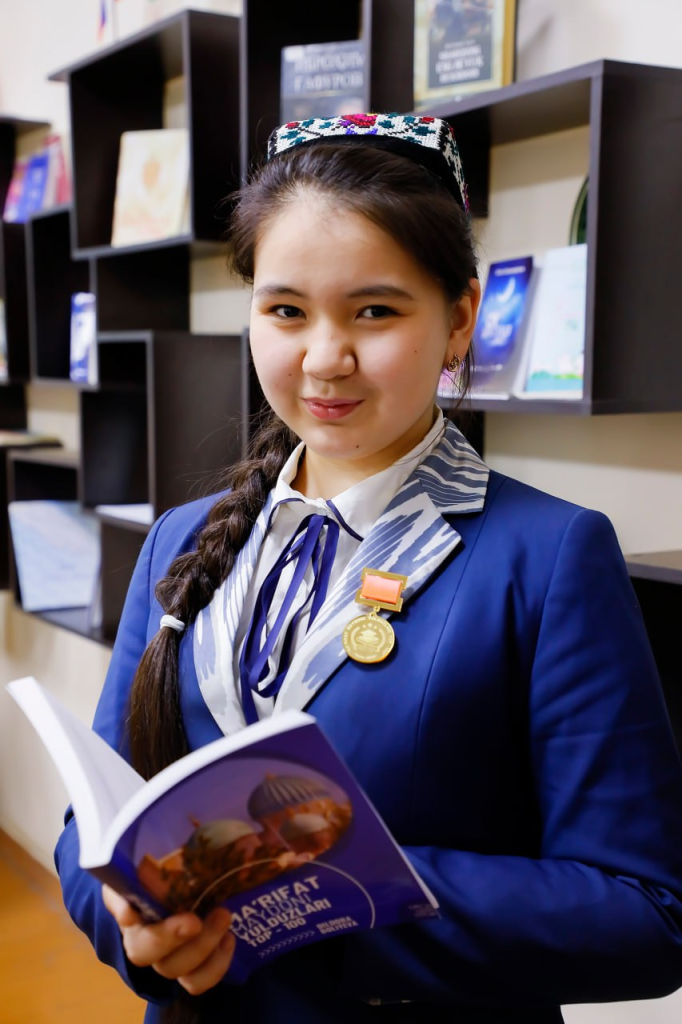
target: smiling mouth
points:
(331, 408)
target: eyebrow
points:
(371, 290)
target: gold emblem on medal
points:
(368, 638)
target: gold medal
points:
(369, 638)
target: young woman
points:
(514, 740)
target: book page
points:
(97, 779)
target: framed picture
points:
(462, 47)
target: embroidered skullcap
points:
(429, 141)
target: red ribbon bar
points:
(380, 589)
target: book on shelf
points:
(83, 339)
(58, 184)
(15, 191)
(268, 821)
(33, 185)
(556, 335)
(323, 80)
(57, 553)
(500, 335)
(152, 186)
(462, 47)
(4, 371)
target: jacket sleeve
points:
(598, 915)
(82, 892)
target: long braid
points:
(156, 734)
(155, 729)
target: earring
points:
(454, 364)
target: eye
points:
(285, 312)
(377, 312)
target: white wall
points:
(630, 466)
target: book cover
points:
(151, 186)
(83, 350)
(557, 334)
(323, 80)
(14, 193)
(268, 822)
(57, 553)
(499, 336)
(33, 188)
(58, 185)
(3, 342)
(462, 47)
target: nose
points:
(328, 355)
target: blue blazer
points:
(517, 745)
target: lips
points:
(331, 408)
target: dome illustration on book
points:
(291, 821)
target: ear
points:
(463, 320)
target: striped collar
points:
(453, 475)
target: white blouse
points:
(358, 507)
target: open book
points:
(268, 822)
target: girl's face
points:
(349, 335)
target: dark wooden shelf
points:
(53, 277)
(171, 442)
(120, 88)
(74, 620)
(661, 566)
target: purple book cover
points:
(281, 834)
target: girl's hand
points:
(182, 948)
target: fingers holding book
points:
(182, 947)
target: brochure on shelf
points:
(57, 553)
(323, 80)
(83, 353)
(268, 822)
(460, 49)
(151, 186)
(556, 345)
(500, 336)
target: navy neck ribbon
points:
(314, 543)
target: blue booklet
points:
(268, 822)
(498, 338)
(33, 187)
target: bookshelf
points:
(172, 408)
(13, 290)
(121, 88)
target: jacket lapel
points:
(411, 537)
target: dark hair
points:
(411, 205)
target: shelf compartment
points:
(5, 541)
(147, 290)
(45, 473)
(53, 277)
(172, 442)
(121, 545)
(633, 362)
(121, 88)
(293, 23)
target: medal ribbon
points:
(314, 543)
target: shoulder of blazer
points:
(176, 531)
